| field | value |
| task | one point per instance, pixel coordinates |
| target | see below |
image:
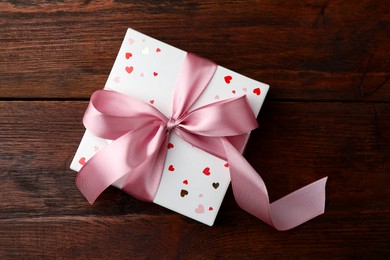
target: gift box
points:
(193, 182)
(170, 128)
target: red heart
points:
(228, 79)
(128, 55)
(82, 161)
(257, 91)
(211, 208)
(206, 171)
(171, 168)
(226, 165)
(155, 74)
(158, 50)
(129, 69)
(233, 91)
(151, 101)
(170, 145)
(185, 182)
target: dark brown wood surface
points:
(327, 114)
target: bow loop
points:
(111, 114)
(230, 117)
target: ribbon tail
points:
(99, 172)
(136, 149)
(143, 181)
(251, 195)
(299, 206)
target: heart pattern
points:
(215, 185)
(145, 51)
(171, 168)
(82, 161)
(257, 91)
(129, 69)
(170, 145)
(199, 209)
(155, 74)
(206, 171)
(228, 79)
(185, 182)
(158, 50)
(151, 101)
(183, 193)
(128, 55)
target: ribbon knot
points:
(139, 134)
(171, 124)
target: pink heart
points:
(142, 75)
(199, 209)
(158, 50)
(82, 161)
(200, 195)
(216, 97)
(151, 101)
(244, 89)
(131, 40)
(116, 79)
(129, 69)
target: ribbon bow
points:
(141, 132)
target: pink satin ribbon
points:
(140, 133)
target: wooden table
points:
(327, 114)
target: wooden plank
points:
(171, 237)
(317, 50)
(296, 144)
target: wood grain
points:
(296, 143)
(332, 49)
(327, 114)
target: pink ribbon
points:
(140, 133)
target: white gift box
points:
(193, 182)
